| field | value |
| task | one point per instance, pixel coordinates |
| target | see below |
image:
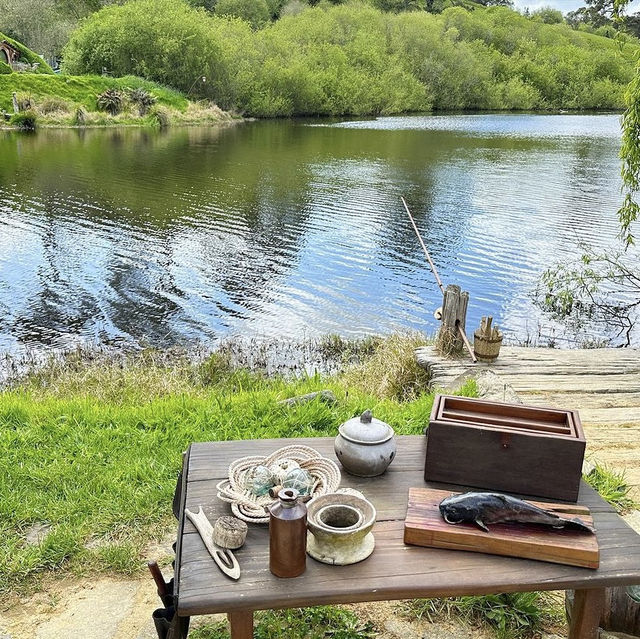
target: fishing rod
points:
(434, 270)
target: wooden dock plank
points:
(602, 384)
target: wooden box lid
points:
(515, 418)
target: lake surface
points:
(293, 228)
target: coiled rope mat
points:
(249, 507)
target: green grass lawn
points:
(80, 90)
(55, 99)
(92, 448)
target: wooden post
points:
(586, 613)
(241, 622)
(14, 99)
(454, 315)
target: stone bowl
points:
(340, 528)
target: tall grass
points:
(92, 447)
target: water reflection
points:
(292, 228)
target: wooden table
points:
(394, 571)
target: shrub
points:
(25, 101)
(80, 117)
(353, 59)
(163, 40)
(53, 105)
(160, 117)
(142, 99)
(110, 101)
(548, 15)
(25, 120)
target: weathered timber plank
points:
(209, 462)
(394, 571)
(424, 526)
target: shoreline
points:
(130, 125)
(232, 119)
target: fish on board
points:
(495, 508)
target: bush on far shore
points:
(353, 59)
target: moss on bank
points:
(65, 100)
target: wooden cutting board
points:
(424, 526)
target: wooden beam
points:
(588, 605)
(241, 622)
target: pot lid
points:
(366, 429)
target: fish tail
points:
(577, 524)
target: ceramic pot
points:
(365, 446)
(340, 528)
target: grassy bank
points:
(91, 449)
(65, 100)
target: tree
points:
(163, 40)
(495, 3)
(255, 12)
(606, 13)
(547, 15)
(604, 287)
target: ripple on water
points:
(291, 229)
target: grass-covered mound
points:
(26, 55)
(56, 99)
(356, 59)
(92, 447)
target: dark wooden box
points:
(505, 447)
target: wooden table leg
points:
(241, 622)
(587, 612)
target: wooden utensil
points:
(224, 558)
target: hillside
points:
(26, 55)
(57, 99)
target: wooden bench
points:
(394, 571)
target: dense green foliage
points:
(354, 59)
(630, 154)
(5, 69)
(255, 12)
(162, 40)
(27, 56)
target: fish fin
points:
(481, 524)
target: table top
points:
(394, 570)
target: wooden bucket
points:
(486, 350)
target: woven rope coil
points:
(249, 507)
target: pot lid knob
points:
(366, 429)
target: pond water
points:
(293, 228)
